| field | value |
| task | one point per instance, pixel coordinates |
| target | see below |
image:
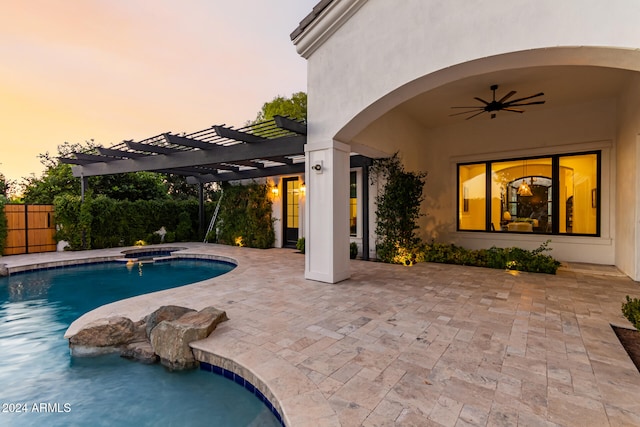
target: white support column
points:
(327, 212)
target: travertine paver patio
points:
(430, 345)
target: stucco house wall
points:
(627, 177)
(379, 52)
(369, 59)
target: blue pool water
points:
(41, 384)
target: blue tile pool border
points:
(238, 379)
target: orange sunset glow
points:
(115, 70)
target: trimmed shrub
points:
(245, 217)
(69, 228)
(534, 261)
(101, 222)
(353, 250)
(631, 310)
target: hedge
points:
(534, 261)
(101, 222)
(245, 217)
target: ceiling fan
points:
(499, 105)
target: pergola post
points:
(201, 216)
(84, 185)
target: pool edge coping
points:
(266, 387)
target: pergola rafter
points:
(207, 153)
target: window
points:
(293, 189)
(472, 198)
(520, 195)
(353, 204)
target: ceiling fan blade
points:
(511, 104)
(507, 96)
(513, 110)
(467, 112)
(525, 98)
(476, 114)
(481, 100)
(475, 106)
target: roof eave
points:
(327, 17)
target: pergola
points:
(216, 154)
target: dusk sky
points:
(111, 70)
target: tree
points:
(4, 186)
(179, 189)
(58, 179)
(294, 107)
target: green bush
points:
(353, 250)
(397, 210)
(300, 244)
(245, 216)
(101, 222)
(631, 310)
(184, 229)
(153, 239)
(67, 208)
(502, 258)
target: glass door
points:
(290, 211)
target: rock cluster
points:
(163, 335)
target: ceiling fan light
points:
(503, 104)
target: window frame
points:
(555, 189)
(353, 202)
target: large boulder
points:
(103, 336)
(166, 312)
(142, 351)
(170, 339)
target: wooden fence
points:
(31, 229)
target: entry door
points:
(290, 211)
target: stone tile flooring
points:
(429, 345)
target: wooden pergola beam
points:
(248, 174)
(279, 159)
(148, 148)
(69, 161)
(285, 146)
(290, 125)
(119, 153)
(187, 142)
(238, 135)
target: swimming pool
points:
(41, 384)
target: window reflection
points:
(522, 195)
(472, 197)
